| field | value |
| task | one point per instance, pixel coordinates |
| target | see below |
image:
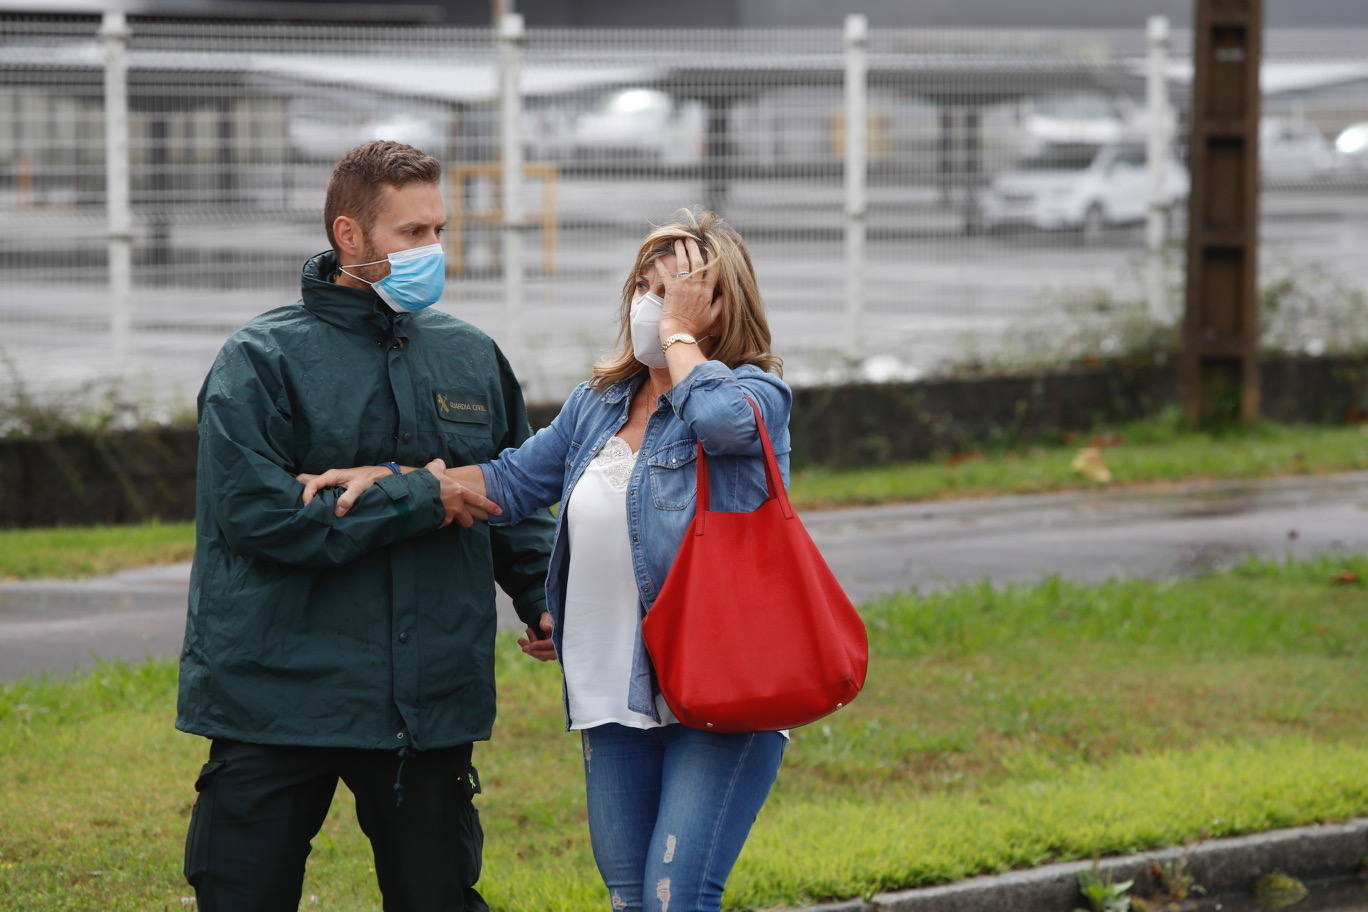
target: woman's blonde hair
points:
(742, 334)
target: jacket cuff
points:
(495, 492)
(707, 374)
(530, 605)
(416, 499)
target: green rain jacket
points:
(375, 630)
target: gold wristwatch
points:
(678, 337)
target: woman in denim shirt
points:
(669, 807)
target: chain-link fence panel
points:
(1313, 164)
(1000, 175)
(52, 215)
(739, 122)
(231, 132)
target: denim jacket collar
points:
(625, 388)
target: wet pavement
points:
(53, 627)
(1348, 895)
(1154, 533)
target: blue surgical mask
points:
(416, 279)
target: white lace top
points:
(601, 601)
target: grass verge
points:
(1145, 452)
(69, 552)
(1155, 450)
(1000, 728)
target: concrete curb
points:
(1222, 866)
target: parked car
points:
(1077, 117)
(315, 137)
(1078, 186)
(1351, 148)
(641, 125)
(1292, 150)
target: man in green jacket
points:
(319, 648)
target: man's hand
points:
(538, 645)
(462, 504)
(356, 481)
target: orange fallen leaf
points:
(1345, 578)
(1090, 464)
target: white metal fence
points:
(909, 196)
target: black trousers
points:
(260, 805)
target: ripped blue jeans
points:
(670, 809)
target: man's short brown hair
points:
(356, 183)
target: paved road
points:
(52, 628)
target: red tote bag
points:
(751, 631)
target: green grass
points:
(1146, 452)
(69, 552)
(1000, 728)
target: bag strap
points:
(774, 481)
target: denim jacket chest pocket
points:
(671, 471)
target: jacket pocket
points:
(465, 425)
(201, 821)
(671, 472)
(467, 448)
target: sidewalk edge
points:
(1221, 866)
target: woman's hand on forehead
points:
(691, 303)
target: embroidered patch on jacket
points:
(466, 408)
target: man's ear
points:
(350, 239)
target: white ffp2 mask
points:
(645, 324)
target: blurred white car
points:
(1351, 148)
(641, 124)
(316, 137)
(1292, 150)
(1078, 186)
(1076, 117)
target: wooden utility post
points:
(1218, 369)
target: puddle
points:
(1216, 510)
(1219, 502)
(1322, 896)
(1206, 557)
